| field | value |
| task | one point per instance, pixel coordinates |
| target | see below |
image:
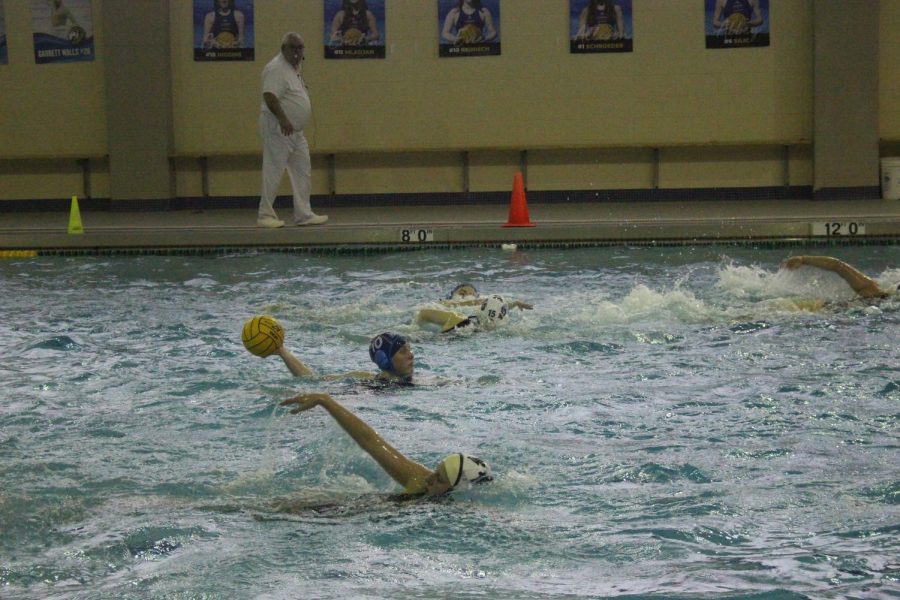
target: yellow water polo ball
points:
(737, 23)
(225, 39)
(469, 34)
(262, 335)
(353, 37)
(602, 32)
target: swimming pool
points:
(666, 422)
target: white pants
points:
(282, 152)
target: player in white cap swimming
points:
(493, 311)
(454, 471)
(465, 294)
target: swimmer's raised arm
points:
(863, 285)
(410, 474)
(294, 365)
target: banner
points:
(354, 29)
(469, 27)
(4, 54)
(63, 31)
(223, 30)
(600, 26)
(736, 23)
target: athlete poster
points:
(354, 29)
(63, 31)
(4, 54)
(600, 26)
(223, 30)
(736, 23)
(469, 27)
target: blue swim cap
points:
(459, 287)
(383, 347)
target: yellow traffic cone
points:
(75, 225)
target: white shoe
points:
(313, 220)
(269, 223)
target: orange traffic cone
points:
(518, 207)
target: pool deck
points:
(706, 221)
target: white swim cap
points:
(493, 312)
(463, 469)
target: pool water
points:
(667, 422)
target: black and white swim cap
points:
(464, 469)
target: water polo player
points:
(465, 294)
(454, 471)
(393, 355)
(493, 311)
(391, 352)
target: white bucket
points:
(890, 178)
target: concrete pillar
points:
(845, 129)
(138, 79)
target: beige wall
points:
(48, 109)
(670, 91)
(889, 68)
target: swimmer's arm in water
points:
(351, 375)
(297, 368)
(477, 301)
(863, 285)
(447, 319)
(410, 474)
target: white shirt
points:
(281, 79)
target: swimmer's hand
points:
(794, 262)
(521, 305)
(304, 402)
